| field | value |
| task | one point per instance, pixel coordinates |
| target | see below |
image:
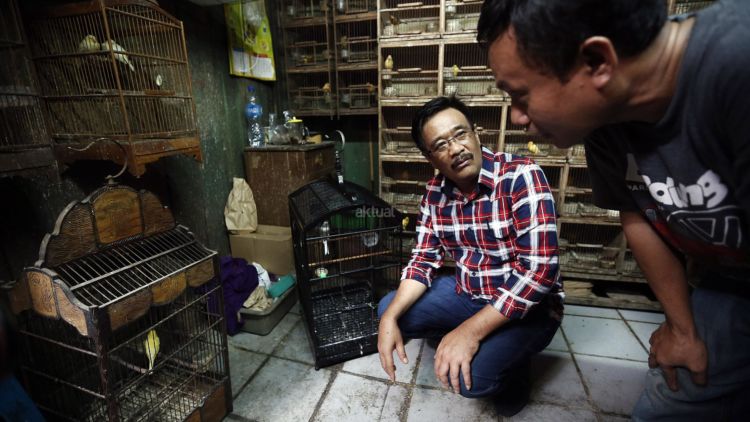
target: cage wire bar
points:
(465, 72)
(413, 72)
(123, 327)
(347, 250)
(115, 70)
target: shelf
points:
(604, 277)
(304, 22)
(358, 111)
(402, 182)
(599, 221)
(405, 41)
(402, 158)
(319, 68)
(611, 303)
(313, 113)
(463, 37)
(357, 66)
(356, 17)
(401, 9)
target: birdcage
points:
(404, 186)
(487, 124)
(686, 6)
(121, 318)
(554, 173)
(461, 16)
(405, 19)
(409, 72)
(356, 42)
(356, 97)
(312, 93)
(396, 131)
(520, 142)
(578, 200)
(24, 142)
(465, 71)
(346, 7)
(629, 266)
(113, 70)
(302, 9)
(347, 255)
(589, 248)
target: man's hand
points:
(671, 348)
(389, 338)
(454, 354)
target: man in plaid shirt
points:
(495, 215)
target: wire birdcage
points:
(346, 7)
(404, 20)
(687, 6)
(115, 70)
(589, 248)
(347, 250)
(122, 318)
(356, 65)
(518, 141)
(461, 17)
(465, 72)
(22, 128)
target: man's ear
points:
(599, 59)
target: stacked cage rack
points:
(115, 81)
(347, 255)
(121, 319)
(404, 20)
(310, 57)
(24, 143)
(355, 23)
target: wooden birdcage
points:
(403, 19)
(461, 16)
(465, 72)
(24, 143)
(409, 72)
(115, 79)
(121, 319)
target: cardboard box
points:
(269, 246)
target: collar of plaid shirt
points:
(488, 238)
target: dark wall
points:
(196, 192)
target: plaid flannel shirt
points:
(503, 236)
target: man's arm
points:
(427, 256)
(676, 342)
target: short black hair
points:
(550, 32)
(431, 108)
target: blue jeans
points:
(723, 322)
(441, 309)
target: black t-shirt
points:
(690, 172)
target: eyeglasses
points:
(442, 145)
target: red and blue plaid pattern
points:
(503, 236)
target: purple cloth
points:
(238, 279)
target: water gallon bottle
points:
(253, 114)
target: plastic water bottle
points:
(253, 114)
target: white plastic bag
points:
(240, 213)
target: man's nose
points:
(518, 116)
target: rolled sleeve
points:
(536, 268)
(427, 255)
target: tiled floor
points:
(592, 371)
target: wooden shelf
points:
(405, 41)
(598, 221)
(581, 275)
(402, 158)
(304, 22)
(356, 17)
(401, 9)
(612, 303)
(318, 68)
(348, 67)
(358, 111)
(314, 113)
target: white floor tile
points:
(296, 309)
(296, 346)
(612, 418)
(282, 391)
(353, 398)
(643, 330)
(535, 412)
(242, 365)
(614, 384)
(602, 337)
(641, 316)
(555, 379)
(426, 373)
(591, 311)
(394, 404)
(370, 364)
(439, 405)
(265, 344)
(558, 342)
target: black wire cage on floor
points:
(347, 253)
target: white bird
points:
(88, 44)
(122, 58)
(388, 62)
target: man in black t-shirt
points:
(660, 105)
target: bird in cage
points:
(151, 345)
(388, 63)
(118, 49)
(532, 147)
(394, 19)
(455, 69)
(88, 44)
(370, 88)
(327, 92)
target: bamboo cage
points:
(114, 70)
(461, 16)
(465, 72)
(24, 143)
(409, 72)
(404, 19)
(356, 63)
